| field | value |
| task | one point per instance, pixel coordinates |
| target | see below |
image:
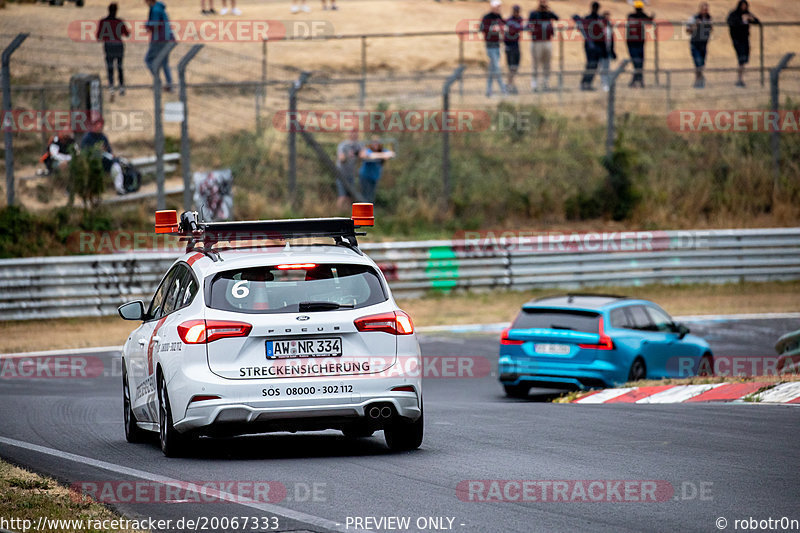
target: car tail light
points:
(605, 342)
(394, 322)
(205, 331)
(508, 342)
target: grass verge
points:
(441, 309)
(25, 496)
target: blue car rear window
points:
(573, 320)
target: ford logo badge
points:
(303, 318)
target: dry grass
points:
(28, 496)
(471, 308)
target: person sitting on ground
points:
(95, 138)
(59, 152)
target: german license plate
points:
(552, 349)
(290, 349)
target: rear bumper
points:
(594, 374)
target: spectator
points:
(492, 29)
(111, 31)
(234, 10)
(297, 5)
(160, 36)
(347, 154)
(373, 157)
(592, 27)
(541, 28)
(333, 5)
(739, 21)
(59, 152)
(635, 37)
(700, 29)
(514, 27)
(210, 10)
(607, 53)
(95, 138)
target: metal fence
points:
(51, 287)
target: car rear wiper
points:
(556, 326)
(322, 306)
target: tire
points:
(706, 366)
(173, 444)
(517, 391)
(357, 432)
(403, 436)
(638, 370)
(133, 433)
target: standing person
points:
(593, 29)
(333, 5)
(373, 157)
(110, 31)
(234, 10)
(210, 10)
(700, 29)
(160, 36)
(514, 26)
(540, 24)
(739, 21)
(607, 54)
(297, 5)
(347, 154)
(635, 37)
(95, 138)
(492, 29)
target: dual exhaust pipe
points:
(377, 412)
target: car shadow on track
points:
(535, 396)
(287, 446)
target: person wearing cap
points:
(540, 25)
(739, 21)
(514, 27)
(700, 29)
(492, 28)
(593, 29)
(635, 37)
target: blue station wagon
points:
(583, 341)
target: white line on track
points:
(141, 474)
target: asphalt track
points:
(721, 460)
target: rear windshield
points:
(290, 288)
(585, 321)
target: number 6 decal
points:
(240, 289)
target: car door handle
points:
(645, 342)
(142, 341)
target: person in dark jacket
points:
(739, 21)
(635, 37)
(700, 29)
(540, 24)
(110, 31)
(593, 29)
(160, 36)
(492, 25)
(514, 28)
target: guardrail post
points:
(186, 165)
(612, 101)
(774, 78)
(446, 187)
(294, 88)
(158, 119)
(9, 134)
(362, 96)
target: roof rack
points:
(342, 230)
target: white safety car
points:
(245, 337)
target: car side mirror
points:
(681, 330)
(132, 310)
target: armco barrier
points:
(51, 287)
